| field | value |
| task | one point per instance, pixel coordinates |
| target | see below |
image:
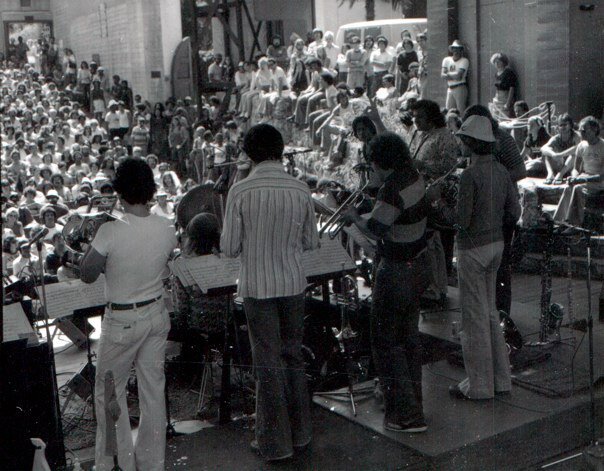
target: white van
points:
(391, 29)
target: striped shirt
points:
(269, 221)
(507, 154)
(399, 217)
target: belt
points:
(128, 307)
(456, 85)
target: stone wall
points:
(128, 37)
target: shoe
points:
(256, 449)
(298, 448)
(456, 393)
(414, 426)
(548, 181)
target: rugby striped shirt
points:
(399, 217)
(269, 222)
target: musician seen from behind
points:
(398, 221)
(587, 176)
(486, 202)
(269, 222)
(133, 253)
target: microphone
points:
(39, 236)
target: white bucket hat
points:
(478, 127)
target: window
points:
(25, 3)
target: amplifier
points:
(29, 405)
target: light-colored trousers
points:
(485, 354)
(457, 98)
(138, 337)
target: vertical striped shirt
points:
(400, 215)
(269, 222)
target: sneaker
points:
(414, 426)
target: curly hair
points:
(134, 181)
(389, 151)
(263, 142)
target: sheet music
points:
(65, 297)
(207, 271)
(14, 323)
(210, 271)
(327, 259)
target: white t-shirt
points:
(383, 57)
(137, 250)
(591, 161)
(455, 66)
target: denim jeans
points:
(395, 340)
(276, 327)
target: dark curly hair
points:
(263, 142)
(432, 110)
(134, 181)
(389, 151)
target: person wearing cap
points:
(413, 87)
(136, 322)
(454, 71)
(26, 262)
(140, 135)
(163, 207)
(398, 223)
(113, 120)
(486, 201)
(381, 61)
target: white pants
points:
(138, 337)
(457, 98)
(485, 354)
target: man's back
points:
(137, 250)
(271, 221)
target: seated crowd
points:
(63, 133)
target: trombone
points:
(335, 224)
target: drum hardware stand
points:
(348, 299)
(550, 319)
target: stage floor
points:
(516, 432)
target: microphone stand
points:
(594, 452)
(51, 353)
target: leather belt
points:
(456, 85)
(127, 307)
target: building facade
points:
(555, 47)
